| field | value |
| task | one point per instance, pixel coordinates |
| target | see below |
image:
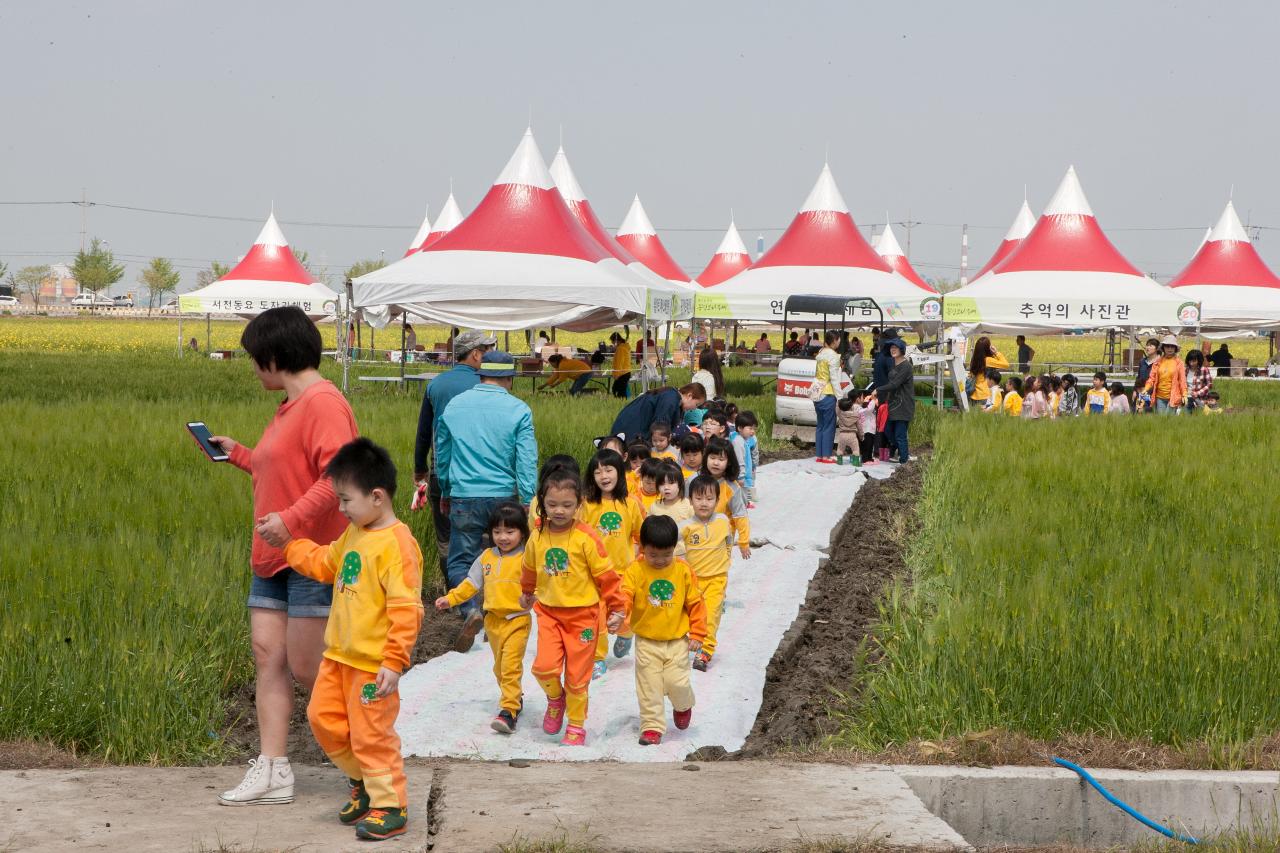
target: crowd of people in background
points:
(1165, 383)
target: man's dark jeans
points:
(468, 536)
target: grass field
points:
(1107, 575)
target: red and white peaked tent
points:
(1234, 286)
(520, 259)
(268, 276)
(450, 216)
(730, 259)
(821, 253)
(1066, 274)
(664, 295)
(415, 245)
(638, 236)
(887, 247)
(1018, 231)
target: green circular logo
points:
(556, 561)
(661, 591)
(610, 522)
(350, 569)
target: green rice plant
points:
(1114, 575)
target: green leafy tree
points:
(96, 270)
(204, 278)
(318, 270)
(29, 279)
(159, 278)
(360, 268)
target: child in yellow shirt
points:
(615, 517)
(668, 618)
(660, 442)
(671, 500)
(648, 491)
(636, 455)
(558, 461)
(721, 463)
(691, 449)
(567, 571)
(507, 625)
(1097, 399)
(707, 540)
(375, 567)
(1012, 405)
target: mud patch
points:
(817, 657)
(34, 755)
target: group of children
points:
(860, 423)
(1053, 396)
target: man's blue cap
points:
(497, 364)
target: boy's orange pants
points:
(566, 644)
(357, 733)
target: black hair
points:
(746, 418)
(717, 446)
(650, 467)
(560, 478)
(1102, 376)
(704, 483)
(555, 359)
(692, 443)
(510, 514)
(284, 337)
(591, 489)
(659, 531)
(1068, 379)
(602, 442)
(1016, 382)
(717, 415)
(1117, 390)
(659, 428)
(668, 472)
(1213, 395)
(846, 402)
(993, 375)
(638, 450)
(365, 465)
(558, 462)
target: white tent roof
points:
(1066, 274)
(424, 229)
(1018, 231)
(888, 248)
(268, 276)
(731, 258)
(450, 216)
(520, 259)
(821, 253)
(1234, 286)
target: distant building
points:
(60, 286)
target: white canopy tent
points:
(1234, 286)
(822, 253)
(1066, 275)
(520, 259)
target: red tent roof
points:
(571, 190)
(270, 259)
(1227, 257)
(450, 216)
(1018, 231)
(638, 237)
(1067, 238)
(889, 249)
(823, 234)
(729, 260)
(523, 212)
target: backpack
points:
(970, 385)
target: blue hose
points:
(1123, 806)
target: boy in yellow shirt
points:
(660, 438)
(497, 571)
(668, 618)
(707, 541)
(691, 449)
(1012, 404)
(647, 494)
(375, 567)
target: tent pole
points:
(344, 341)
(404, 341)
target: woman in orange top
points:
(568, 368)
(287, 611)
(985, 357)
(1167, 383)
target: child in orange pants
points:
(376, 569)
(567, 571)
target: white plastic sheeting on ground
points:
(447, 703)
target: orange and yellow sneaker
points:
(381, 824)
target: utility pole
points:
(964, 254)
(84, 216)
(909, 224)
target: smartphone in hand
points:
(204, 438)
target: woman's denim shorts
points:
(297, 594)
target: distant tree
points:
(96, 270)
(359, 268)
(319, 271)
(29, 279)
(204, 278)
(159, 278)
(944, 285)
(4, 268)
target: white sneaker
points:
(268, 783)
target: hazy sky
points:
(361, 113)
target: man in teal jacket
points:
(486, 453)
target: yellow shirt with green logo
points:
(377, 594)
(617, 523)
(568, 569)
(664, 604)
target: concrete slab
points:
(1046, 805)
(729, 806)
(142, 809)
